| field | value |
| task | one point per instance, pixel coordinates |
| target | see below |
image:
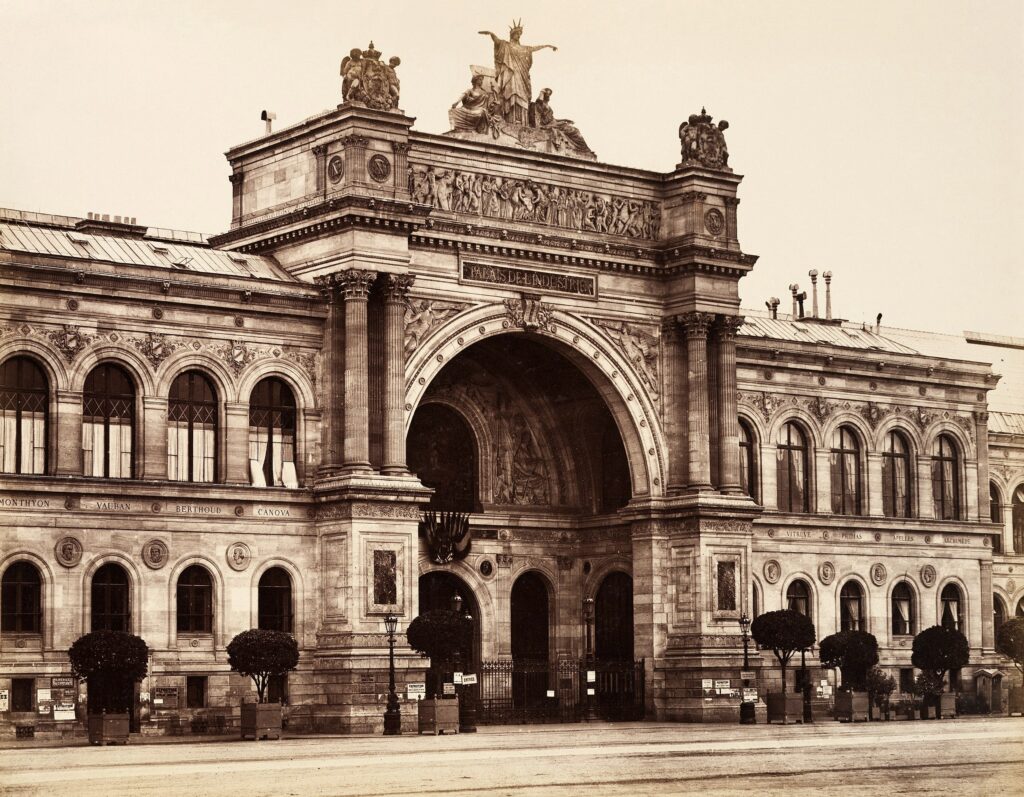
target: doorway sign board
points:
(468, 678)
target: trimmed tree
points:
(880, 686)
(783, 632)
(262, 655)
(938, 649)
(1010, 641)
(440, 634)
(110, 662)
(854, 653)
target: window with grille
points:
(272, 435)
(108, 422)
(24, 395)
(21, 606)
(896, 500)
(195, 601)
(192, 429)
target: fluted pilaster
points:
(695, 328)
(354, 286)
(396, 292)
(728, 424)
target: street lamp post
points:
(393, 713)
(589, 703)
(808, 712)
(747, 715)
(467, 704)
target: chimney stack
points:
(793, 289)
(878, 323)
(813, 274)
(773, 306)
(827, 276)
(268, 117)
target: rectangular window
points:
(727, 586)
(195, 690)
(21, 693)
(385, 586)
(906, 679)
(277, 689)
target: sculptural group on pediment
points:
(702, 143)
(516, 199)
(366, 80)
(499, 103)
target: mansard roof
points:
(846, 335)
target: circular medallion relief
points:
(335, 169)
(68, 551)
(826, 572)
(379, 168)
(714, 221)
(878, 574)
(772, 571)
(239, 556)
(154, 554)
(1011, 586)
(928, 576)
(486, 567)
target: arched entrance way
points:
(613, 619)
(530, 637)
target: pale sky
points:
(883, 141)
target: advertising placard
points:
(416, 691)
(449, 689)
(5, 700)
(457, 677)
(64, 712)
(469, 678)
(165, 697)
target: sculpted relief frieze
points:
(639, 345)
(517, 199)
(423, 316)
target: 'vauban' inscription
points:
(529, 279)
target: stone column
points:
(333, 359)
(68, 434)
(154, 438)
(873, 501)
(396, 292)
(695, 327)
(981, 436)
(237, 180)
(355, 288)
(674, 396)
(728, 419)
(988, 632)
(923, 486)
(236, 443)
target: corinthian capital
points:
(695, 325)
(726, 326)
(396, 286)
(354, 283)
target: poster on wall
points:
(5, 700)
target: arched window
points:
(21, 604)
(195, 601)
(192, 429)
(896, 500)
(1020, 608)
(275, 600)
(950, 617)
(748, 461)
(108, 422)
(851, 607)
(945, 478)
(902, 610)
(995, 504)
(845, 465)
(110, 599)
(443, 454)
(798, 597)
(998, 613)
(792, 480)
(1017, 515)
(24, 394)
(755, 602)
(272, 435)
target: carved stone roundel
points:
(826, 573)
(878, 574)
(68, 551)
(928, 576)
(714, 221)
(335, 169)
(239, 556)
(772, 571)
(379, 168)
(154, 554)
(1011, 586)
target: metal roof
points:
(844, 335)
(1006, 422)
(155, 253)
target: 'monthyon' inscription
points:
(529, 279)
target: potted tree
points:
(262, 655)
(854, 653)
(110, 662)
(936, 651)
(783, 632)
(880, 686)
(1010, 642)
(439, 634)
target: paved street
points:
(963, 757)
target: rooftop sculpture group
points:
(498, 103)
(703, 144)
(365, 80)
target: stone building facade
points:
(207, 435)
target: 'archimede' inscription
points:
(525, 278)
(956, 540)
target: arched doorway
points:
(436, 591)
(613, 619)
(530, 634)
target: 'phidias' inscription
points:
(849, 535)
(526, 278)
(25, 503)
(197, 509)
(272, 511)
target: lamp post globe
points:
(393, 712)
(747, 715)
(467, 701)
(590, 687)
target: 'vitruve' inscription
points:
(530, 279)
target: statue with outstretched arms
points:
(512, 63)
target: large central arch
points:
(584, 345)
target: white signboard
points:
(707, 683)
(42, 695)
(723, 684)
(591, 676)
(5, 700)
(449, 689)
(590, 692)
(749, 695)
(469, 678)
(457, 677)
(416, 691)
(551, 692)
(64, 712)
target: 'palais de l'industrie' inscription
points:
(530, 279)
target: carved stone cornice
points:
(726, 326)
(400, 146)
(395, 287)
(354, 283)
(320, 150)
(695, 324)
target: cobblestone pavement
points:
(963, 757)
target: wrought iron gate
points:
(537, 691)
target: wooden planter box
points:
(439, 716)
(785, 708)
(1015, 700)
(261, 720)
(946, 705)
(852, 706)
(108, 729)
